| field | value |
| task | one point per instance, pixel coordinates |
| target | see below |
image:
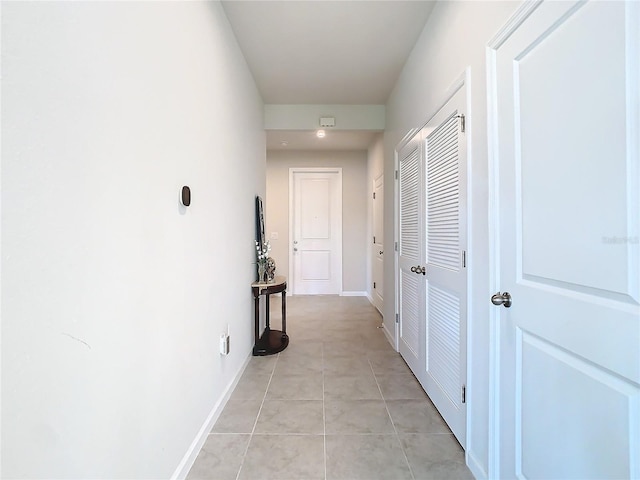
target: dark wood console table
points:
(271, 341)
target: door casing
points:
(460, 85)
(571, 331)
(336, 235)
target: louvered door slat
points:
(443, 195)
(410, 313)
(445, 217)
(411, 252)
(409, 207)
(444, 341)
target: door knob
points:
(380, 252)
(501, 299)
(413, 269)
(295, 249)
(422, 270)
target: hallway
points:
(338, 403)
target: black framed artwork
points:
(260, 237)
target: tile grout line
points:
(404, 454)
(264, 397)
(345, 335)
(324, 418)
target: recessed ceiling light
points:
(320, 134)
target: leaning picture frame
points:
(260, 236)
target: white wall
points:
(354, 208)
(454, 38)
(305, 117)
(113, 295)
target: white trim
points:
(292, 171)
(458, 83)
(396, 239)
(189, 458)
(463, 81)
(406, 139)
(632, 40)
(518, 18)
(494, 264)
(355, 294)
(475, 466)
(371, 251)
(392, 341)
(470, 262)
(493, 157)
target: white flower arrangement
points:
(263, 253)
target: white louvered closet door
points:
(411, 252)
(445, 153)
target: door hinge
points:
(374, 239)
(462, 122)
(464, 259)
(397, 318)
(464, 394)
(374, 284)
(396, 174)
(395, 246)
(374, 195)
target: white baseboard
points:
(390, 338)
(476, 469)
(353, 294)
(189, 458)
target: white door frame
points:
(494, 226)
(374, 257)
(292, 172)
(462, 82)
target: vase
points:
(262, 273)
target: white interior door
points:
(316, 231)
(446, 275)
(378, 243)
(411, 252)
(566, 77)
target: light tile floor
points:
(338, 403)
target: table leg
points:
(256, 317)
(284, 311)
(266, 301)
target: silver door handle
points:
(413, 269)
(380, 252)
(503, 299)
(422, 270)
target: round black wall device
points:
(186, 196)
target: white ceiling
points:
(326, 52)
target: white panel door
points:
(316, 247)
(378, 243)
(565, 86)
(446, 276)
(411, 254)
